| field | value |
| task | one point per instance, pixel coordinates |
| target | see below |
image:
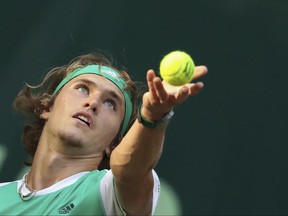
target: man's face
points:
(86, 115)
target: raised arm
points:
(134, 158)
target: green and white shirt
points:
(85, 193)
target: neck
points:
(50, 166)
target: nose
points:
(92, 103)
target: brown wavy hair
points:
(32, 101)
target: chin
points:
(70, 140)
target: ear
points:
(45, 115)
(108, 151)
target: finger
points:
(150, 77)
(183, 93)
(195, 88)
(200, 71)
(160, 90)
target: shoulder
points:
(7, 187)
(6, 183)
(95, 176)
(109, 197)
(107, 181)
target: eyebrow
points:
(110, 92)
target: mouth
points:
(84, 118)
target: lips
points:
(85, 118)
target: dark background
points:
(226, 149)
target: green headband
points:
(111, 75)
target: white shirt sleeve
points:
(109, 196)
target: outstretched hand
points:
(162, 97)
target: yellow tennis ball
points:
(177, 68)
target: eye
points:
(110, 104)
(83, 88)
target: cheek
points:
(112, 125)
(61, 103)
(59, 109)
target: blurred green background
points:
(226, 148)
